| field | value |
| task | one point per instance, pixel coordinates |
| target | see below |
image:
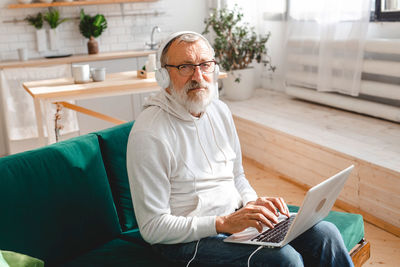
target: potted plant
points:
(37, 22)
(52, 16)
(92, 27)
(236, 46)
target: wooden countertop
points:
(114, 84)
(75, 58)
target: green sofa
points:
(69, 204)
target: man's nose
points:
(197, 74)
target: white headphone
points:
(162, 75)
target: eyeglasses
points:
(188, 69)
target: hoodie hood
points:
(167, 103)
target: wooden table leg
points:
(51, 134)
(39, 122)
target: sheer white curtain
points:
(18, 105)
(325, 44)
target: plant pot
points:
(239, 91)
(93, 46)
(53, 39)
(41, 40)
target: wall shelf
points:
(74, 3)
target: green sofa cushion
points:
(14, 259)
(119, 253)
(113, 142)
(56, 202)
(351, 226)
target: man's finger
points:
(284, 209)
(280, 204)
(262, 219)
(268, 204)
(267, 213)
(256, 224)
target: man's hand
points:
(273, 203)
(254, 214)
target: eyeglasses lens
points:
(188, 69)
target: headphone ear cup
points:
(216, 73)
(162, 77)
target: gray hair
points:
(187, 38)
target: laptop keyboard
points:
(276, 234)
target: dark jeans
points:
(321, 245)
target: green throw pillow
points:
(14, 259)
(113, 142)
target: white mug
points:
(81, 73)
(23, 54)
(98, 74)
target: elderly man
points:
(187, 181)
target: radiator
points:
(380, 85)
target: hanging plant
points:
(35, 21)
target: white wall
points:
(390, 30)
(255, 13)
(123, 33)
(128, 32)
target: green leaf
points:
(53, 18)
(36, 21)
(92, 26)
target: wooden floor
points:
(385, 247)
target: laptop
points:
(316, 206)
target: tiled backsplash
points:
(129, 27)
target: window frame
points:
(385, 16)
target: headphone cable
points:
(251, 255)
(195, 252)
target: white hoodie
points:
(184, 171)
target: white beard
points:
(195, 104)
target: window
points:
(328, 11)
(387, 10)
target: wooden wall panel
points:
(305, 164)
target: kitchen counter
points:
(75, 58)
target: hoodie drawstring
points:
(215, 139)
(201, 145)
